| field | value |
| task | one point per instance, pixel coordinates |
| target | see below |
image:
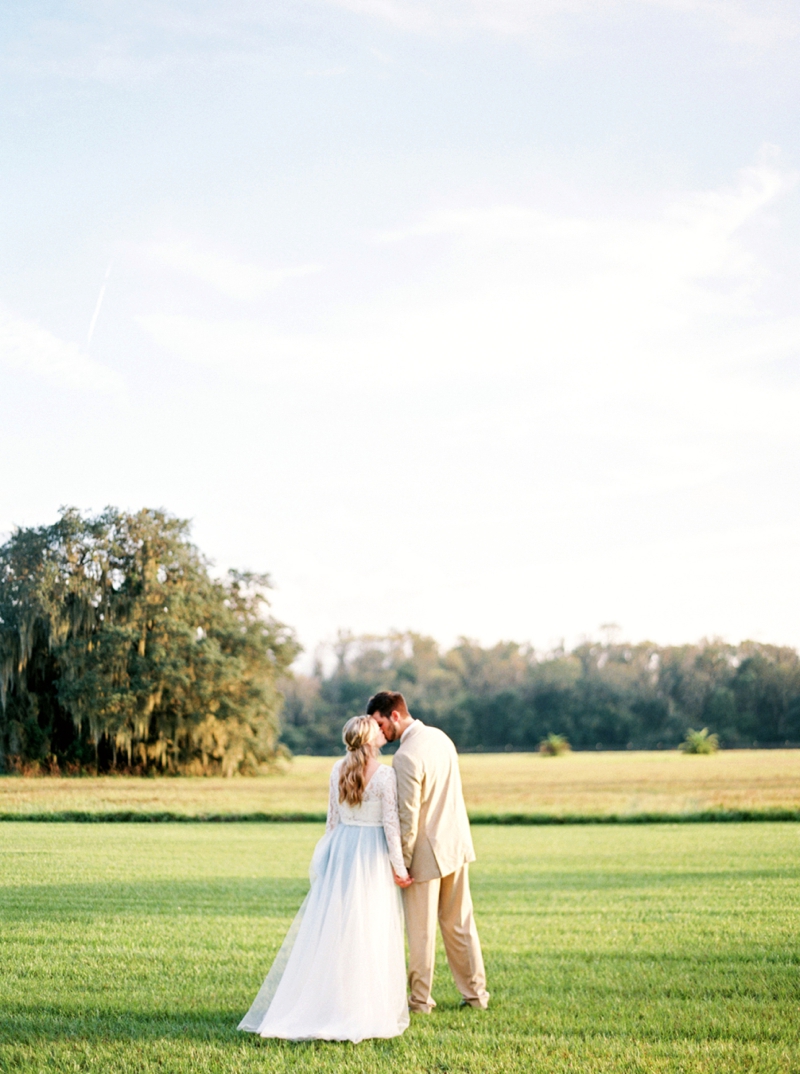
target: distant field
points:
(586, 784)
(656, 949)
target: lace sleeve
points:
(333, 800)
(391, 823)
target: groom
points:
(437, 847)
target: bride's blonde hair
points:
(358, 733)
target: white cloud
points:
(27, 347)
(648, 330)
(756, 23)
(146, 42)
(701, 221)
(240, 349)
(230, 277)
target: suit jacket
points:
(434, 826)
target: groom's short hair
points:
(386, 702)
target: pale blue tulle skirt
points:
(340, 973)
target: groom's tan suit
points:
(437, 847)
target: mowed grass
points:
(137, 948)
(623, 784)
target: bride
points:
(340, 974)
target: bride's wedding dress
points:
(340, 974)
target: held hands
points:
(401, 883)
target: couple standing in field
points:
(340, 973)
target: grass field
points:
(669, 948)
(588, 784)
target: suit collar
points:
(411, 730)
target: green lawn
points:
(648, 948)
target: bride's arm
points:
(409, 793)
(333, 800)
(391, 824)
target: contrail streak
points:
(96, 313)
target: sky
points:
(470, 317)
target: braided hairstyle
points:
(357, 735)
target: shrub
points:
(554, 745)
(699, 742)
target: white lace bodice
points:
(378, 809)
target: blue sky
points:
(472, 318)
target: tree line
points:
(601, 694)
(120, 651)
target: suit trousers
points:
(449, 899)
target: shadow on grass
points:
(37, 1024)
(240, 897)
(31, 1023)
(281, 897)
(603, 880)
(621, 995)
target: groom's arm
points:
(409, 798)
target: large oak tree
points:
(119, 650)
